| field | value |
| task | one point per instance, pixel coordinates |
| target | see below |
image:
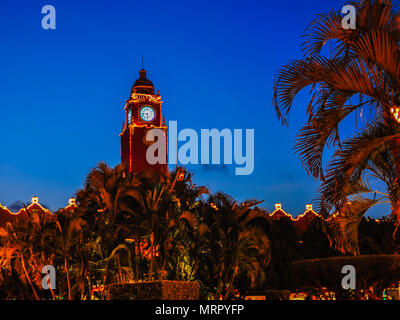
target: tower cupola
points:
(143, 85)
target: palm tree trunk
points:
(195, 267)
(152, 255)
(52, 293)
(67, 273)
(139, 256)
(137, 263)
(396, 156)
(230, 286)
(51, 290)
(220, 285)
(163, 269)
(28, 278)
(119, 269)
(151, 266)
(105, 274)
(84, 277)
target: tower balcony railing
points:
(145, 97)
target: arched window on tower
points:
(129, 116)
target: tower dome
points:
(143, 85)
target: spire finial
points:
(142, 74)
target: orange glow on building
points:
(301, 222)
(6, 215)
(309, 211)
(279, 213)
(34, 205)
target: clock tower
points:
(142, 113)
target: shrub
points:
(155, 290)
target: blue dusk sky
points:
(62, 92)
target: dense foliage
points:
(351, 73)
(133, 227)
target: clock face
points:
(129, 116)
(147, 114)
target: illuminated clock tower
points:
(142, 113)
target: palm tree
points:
(365, 64)
(188, 234)
(183, 236)
(353, 196)
(104, 203)
(162, 201)
(104, 188)
(126, 208)
(27, 246)
(239, 245)
(70, 245)
(343, 228)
